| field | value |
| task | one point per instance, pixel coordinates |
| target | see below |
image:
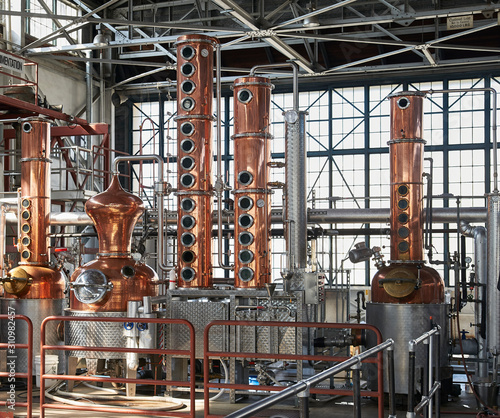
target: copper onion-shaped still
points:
(114, 213)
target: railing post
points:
(392, 388)
(411, 381)
(304, 400)
(438, 374)
(356, 387)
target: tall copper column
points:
(194, 163)
(34, 278)
(252, 209)
(406, 279)
(107, 283)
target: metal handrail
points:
(433, 384)
(379, 393)
(305, 384)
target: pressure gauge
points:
(91, 286)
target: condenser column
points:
(252, 203)
(194, 159)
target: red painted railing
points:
(126, 411)
(11, 346)
(295, 357)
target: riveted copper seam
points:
(252, 152)
(195, 52)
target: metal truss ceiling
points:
(343, 38)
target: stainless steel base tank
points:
(95, 334)
(36, 310)
(403, 323)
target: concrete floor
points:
(464, 405)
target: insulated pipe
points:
(161, 215)
(492, 292)
(480, 253)
(314, 216)
(296, 189)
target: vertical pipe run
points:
(356, 387)
(252, 209)
(194, 162)
(492, 293)
(411, 383)
(391, 380)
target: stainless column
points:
(296, 189)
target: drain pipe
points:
(161, 188)
(479, 235)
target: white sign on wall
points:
(460, 22)
(12, 63)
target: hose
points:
(226, 377)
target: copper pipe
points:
(194, 152)
(252, 209)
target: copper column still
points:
(406, 279)
(34, 278)
(194, 159)
(107, 283)
(252, 209)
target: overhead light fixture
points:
(101, 39)
(311, 21)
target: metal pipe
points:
(302, 385)
(480, 254)
(438, 375)
(161, 212)
(219, 182)
(392, 384)
(295, 82)
(356, 388)
(493, 123)
(430, 374)
(411, 383)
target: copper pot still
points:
(252, 208)
(114, 277)
(194, 150)
(34, 278)
(406, 279)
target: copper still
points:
(252, 209)
(406, 279)
(194, 163)
(34, 278)
(114, 277)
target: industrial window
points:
(347, 129)
(41, 27)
